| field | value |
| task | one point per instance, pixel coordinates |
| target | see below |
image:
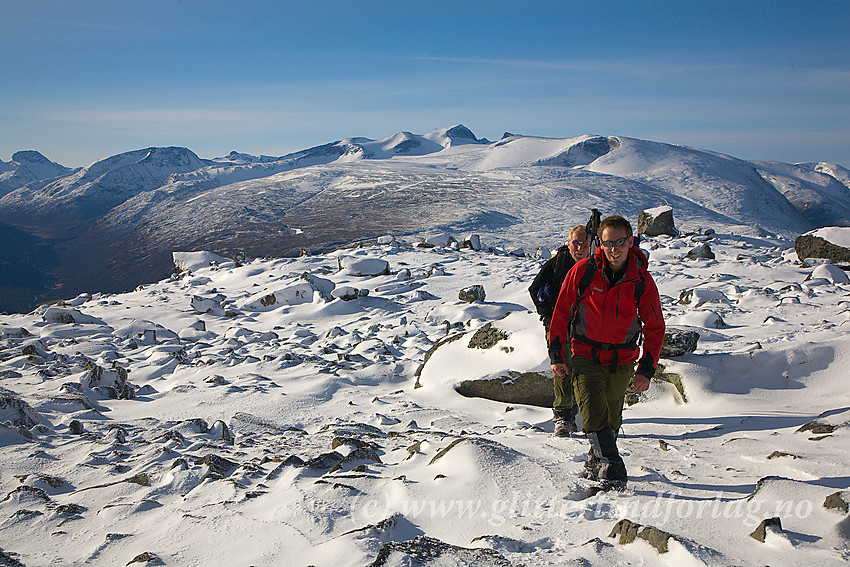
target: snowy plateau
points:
(256, 409)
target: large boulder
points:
(657, 221)
(678, 342)
(529, 388)
(829, 243)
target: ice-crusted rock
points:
(324, 286)
(68, 316)
(16, 412)
(359, 266)
(207, 304)
(472, 241)
(472, 294)
(657, 221)
(111, 383)
(294, 294)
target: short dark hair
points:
(615, 221)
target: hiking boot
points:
(564, 428)
(565, 425)
(603, 444)
(591, 466)
(612, 485)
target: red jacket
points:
(609, 320)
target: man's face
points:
(616, 255)
(579, 246)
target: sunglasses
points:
(580, 243)
(613, 243)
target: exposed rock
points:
(657, 221)
(76, 427)
(811, 246)
(111, 383)
(324, 461)
(16, 412)
(837, 501)
(472, 241)
(629, 531)
(10, 559)
(348, 293)
(66, 316)
(816, 427)
(472, 294)
(425, 551)
(487, 337)
(146, 558)
(678, 342)
(700, 296)
(529, 388)
(219, 466)
(768, 523)
(703, 251)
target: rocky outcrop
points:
(657, 221)
(815, 245)
(528, 388)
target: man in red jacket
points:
(606, 303)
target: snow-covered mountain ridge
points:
(117, 221)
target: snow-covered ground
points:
(283, 427)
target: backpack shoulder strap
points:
(587, 276)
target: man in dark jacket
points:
(606, 303)
(544, 292)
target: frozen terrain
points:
(266, 413)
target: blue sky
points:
(86, 79)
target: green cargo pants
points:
(563, 386)
(600, 393)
